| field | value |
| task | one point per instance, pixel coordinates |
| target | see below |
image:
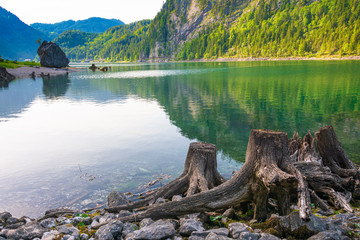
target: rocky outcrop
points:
(52, 56)
(5, 77)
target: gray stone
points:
(176, 198)
(187, 226)
(267, 236)
(1, 238)
(12, 220)
(146, 222)
(116, 199)
(214, 236)
(229, 213)
(4, 216)
(68, 237)
(87, 220)
(217, 231)
(129, 228)
(68, 230)
(28, 231)
(237, 228)
(76, 220)
(63, 220)
(84, 236)
(15, 225)
(249, 236)
(52, 235)
(110, 231)
(157, 230)
(326, 235)
(52, 56)
(48, 223)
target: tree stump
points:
(200, 174)
(327, 177)
(267, 169)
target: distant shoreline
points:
(165, 60)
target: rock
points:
(15, 225)
(5, 78)
(249, 236)
(229, 213)
(237, 228)
(157, 230)
(5, 216)
(52, 56)
(76, 220)
(146, 222)
(52, 235)
(218, 231)
(84, 236)
(63, 220)
(129, 228)
(116, 199)
(87, 221)
(28, 231)
(48, 223)
(327, 235)
(93, 67)
(110, 231)
(11, 220)
(68, 237)
(214, 236)
(187, 226)
(68, 230)
(267, 236)
(176, 198)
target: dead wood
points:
(267, 169)
(274, 165)
(200, 174)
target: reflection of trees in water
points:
(55, 86)
(222, 107)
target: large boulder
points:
(51, 55)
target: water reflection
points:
(136, 121)
(55, 86)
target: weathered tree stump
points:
(267, 169)
(274, 166)
(200, 174)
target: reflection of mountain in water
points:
(55, 86)
(222, 106)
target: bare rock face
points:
(51, 55)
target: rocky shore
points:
(24, 72)
(65, 224)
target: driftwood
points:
(274, 166)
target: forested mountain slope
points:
(210, 29)
(17, 40)
(90, 25)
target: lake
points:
(70, 140)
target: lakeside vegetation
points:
(15, 64)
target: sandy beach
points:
(23, 72)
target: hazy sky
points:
(51, 11)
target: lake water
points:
(71, 140)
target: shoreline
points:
(28, 72)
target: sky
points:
(51, 11)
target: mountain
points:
(122, 42)
(17, 40)
(211, 29)
(90, 25)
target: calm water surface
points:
(70, 140)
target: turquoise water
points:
(70, 140)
